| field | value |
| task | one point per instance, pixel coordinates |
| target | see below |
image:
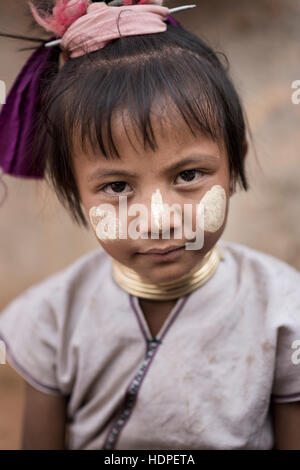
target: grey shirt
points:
(223, 354)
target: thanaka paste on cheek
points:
(214, 205)
(105, 223)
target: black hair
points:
(132, 73)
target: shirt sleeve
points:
(29, 338)
(286, 384)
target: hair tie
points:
(102, 23)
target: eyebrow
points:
(100, 173)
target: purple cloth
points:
(19, 113)
(171, 20)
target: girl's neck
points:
(156, 313)
(131, 282)
(156, 305)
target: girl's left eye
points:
(190, 173)
(118, 186)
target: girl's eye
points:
(117, 187)
(190, 174)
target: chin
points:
(163, 273)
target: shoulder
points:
(261, 263)
(38, 326)
(263, 274)
(77, 279)
(61, 291)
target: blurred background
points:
(261, 39)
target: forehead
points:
(167, 129)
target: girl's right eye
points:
(117, 187)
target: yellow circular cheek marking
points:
(214, 205)
(105, 223)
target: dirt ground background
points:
(261, 39)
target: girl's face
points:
(181, 171)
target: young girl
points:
(197, 348)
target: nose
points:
(157, 209)
(159, 216)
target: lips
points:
(162, 251)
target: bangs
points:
(136, 88)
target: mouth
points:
(165, 255)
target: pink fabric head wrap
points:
(103, 23)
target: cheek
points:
(214, 205)
(105, 223)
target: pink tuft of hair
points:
(64, 13)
